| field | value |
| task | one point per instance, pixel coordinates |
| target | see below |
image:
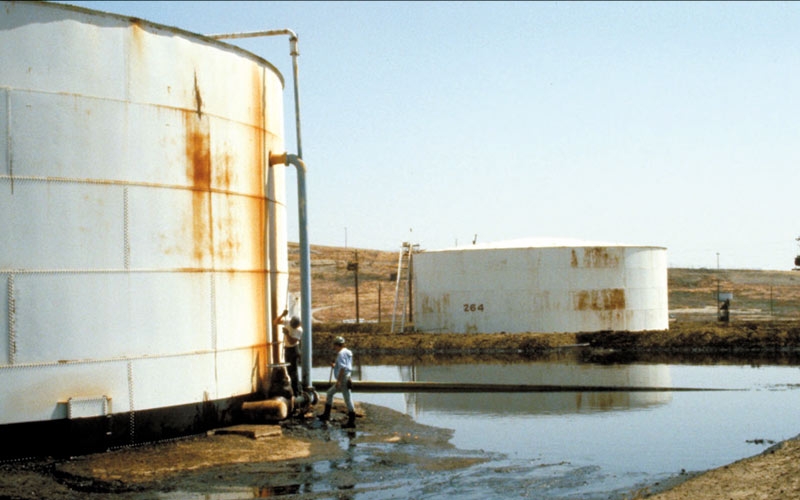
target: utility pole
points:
(723, 304)
(353, 266)
(411, 286)
(719, 316)
(380, 288)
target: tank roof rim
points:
(543, 243)
(164, 27)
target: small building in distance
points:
(541, 285)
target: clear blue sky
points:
(654, 123)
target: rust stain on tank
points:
(227, 231)
(259, 231)
(198, 173)
(258, 123)
(602, 257)
(198, 98)
(138, 34)
(227, 220)
(223, 173)
(614, 319)
(198, 152)
(257, 98)
(608, 299)
(435, 305)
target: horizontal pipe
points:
(271, 409)
(253, 34)
(369, 386)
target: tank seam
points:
(12, 321)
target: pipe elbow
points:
(296, 161)
(287, 159)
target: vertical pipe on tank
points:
(271, 288)
(305, 267)
(295, 78)
(305, 261)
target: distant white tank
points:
(541, 286)
(144, 240)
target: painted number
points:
(473, 307)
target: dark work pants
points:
(292, 357)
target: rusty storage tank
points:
(541, 286)
(137, 217)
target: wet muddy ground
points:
(388, 455)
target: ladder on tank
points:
(402, 289)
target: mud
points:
(387, 455)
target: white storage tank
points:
(138, 210)
(541, 286)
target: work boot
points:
(351, 420)
(326, 415)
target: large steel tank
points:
(541, 286)
(138, 214)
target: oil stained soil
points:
(386, 456)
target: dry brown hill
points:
(757, 295)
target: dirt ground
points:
(291, 453)
(772, 475)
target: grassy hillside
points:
(757, 295)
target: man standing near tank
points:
(292, 333)
(342, 369)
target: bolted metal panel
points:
(9, 317)
(96, 316)
(40, 391)
(60, 225)
(534, 287)
(5, 152)
(138, 213)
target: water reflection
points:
(269, 489)
(544, 373)
(589, 445)
(346, 477)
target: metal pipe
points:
(372, 386)
(305, 263)
(294, 52)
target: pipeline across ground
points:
(375, 386)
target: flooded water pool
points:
(592, 444)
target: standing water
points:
(592, 444)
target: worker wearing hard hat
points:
(342, 369)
